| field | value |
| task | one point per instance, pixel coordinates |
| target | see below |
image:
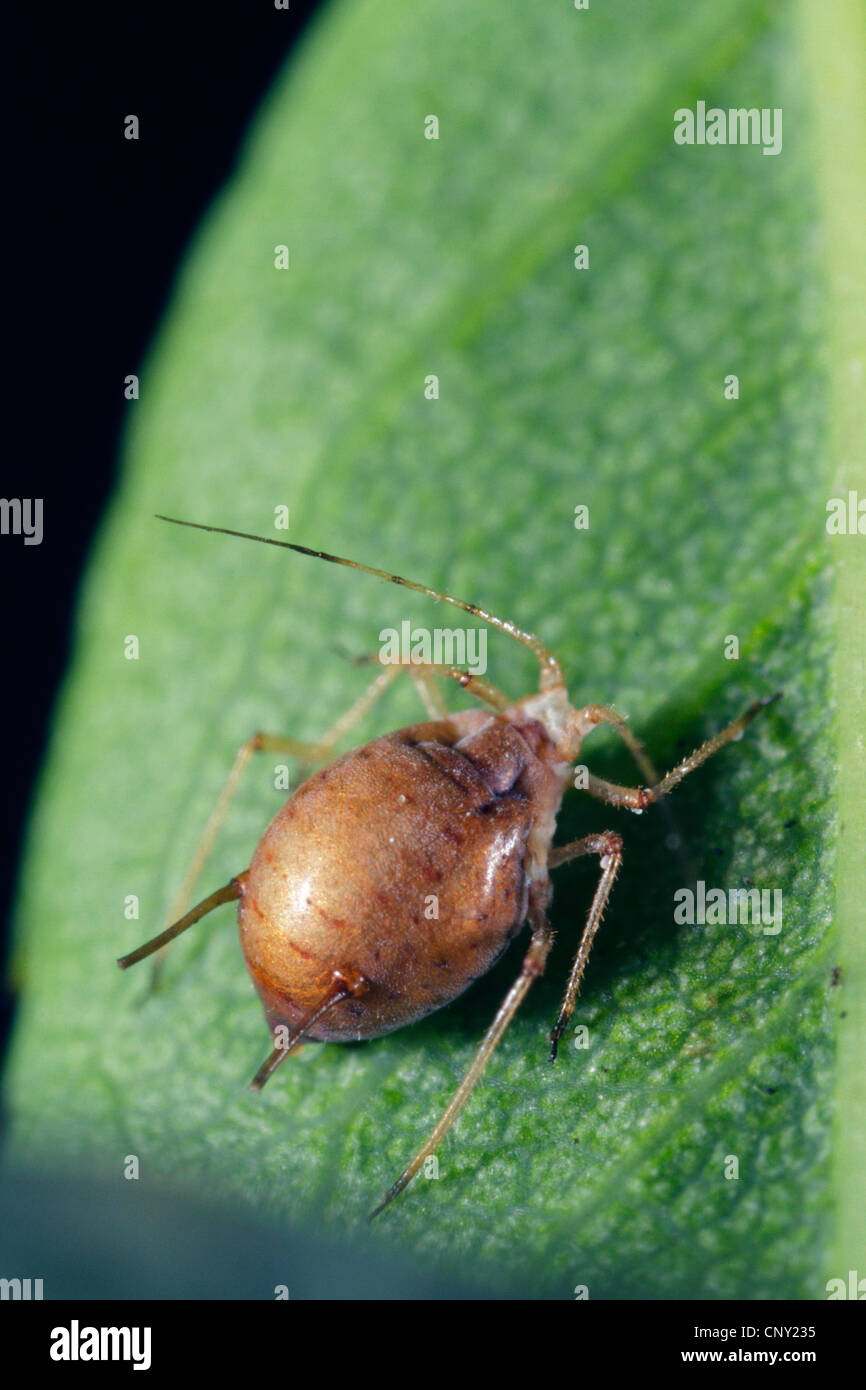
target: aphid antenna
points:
(551, 671)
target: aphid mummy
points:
(460, 810)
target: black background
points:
(99, 226)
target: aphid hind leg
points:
(533, 966)
(637, 798)
(608, 846)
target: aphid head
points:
(565, 726)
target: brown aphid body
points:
(409, 862)
(399, 873)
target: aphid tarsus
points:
(461, 808)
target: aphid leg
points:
(603, 714)
(423, 682)
(636, 798)
(482, 690)
(533, 966)
(341, 987)
(608, 845)
(422, 673)
(431, 695)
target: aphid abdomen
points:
(399, 863)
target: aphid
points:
(460, 810)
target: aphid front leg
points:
(608, 845)
(603, 714)
(637, 798)
(533, 966)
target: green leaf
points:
(557, 387)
